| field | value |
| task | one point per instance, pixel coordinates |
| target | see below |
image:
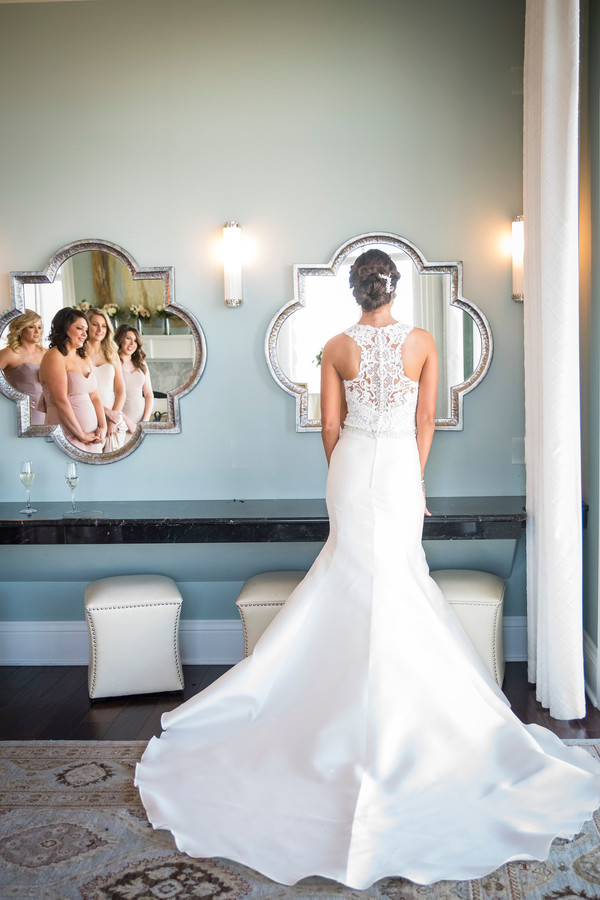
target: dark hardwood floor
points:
(51, 703)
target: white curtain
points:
(551, 288)
(66, 277)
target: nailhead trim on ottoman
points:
(133, 628)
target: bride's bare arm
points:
(331, 399)
(425, 416)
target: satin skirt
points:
(364, 737)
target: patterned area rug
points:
(72, 826)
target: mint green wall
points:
(151, 122)
(47, 582)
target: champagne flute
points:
(27, 475)
(72, 478)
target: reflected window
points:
(427, 296)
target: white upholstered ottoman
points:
(133, 627)
(476, 598)
(260, 600)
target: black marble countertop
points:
(233, 521)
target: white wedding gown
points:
(364, 737)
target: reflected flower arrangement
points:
(138, 311)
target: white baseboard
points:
(43, 644)
(216, 642)
(202, 642)
(514, 637)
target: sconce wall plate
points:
(518, 242)
(232, 263)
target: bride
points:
(364, 737)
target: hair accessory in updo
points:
(373, 279)
(388, 281)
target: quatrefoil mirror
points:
(429, 295)
(99, 274)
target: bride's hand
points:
(427, 513)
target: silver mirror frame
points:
(54, 432)
(454, 269)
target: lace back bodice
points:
(381, 400)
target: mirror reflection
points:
(21, 357)
(95, 346)
(427, 297)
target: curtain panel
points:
(551, 310)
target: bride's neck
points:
(378, 317)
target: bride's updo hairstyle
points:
(373, 279)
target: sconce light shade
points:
(518, 243)
(232, 263)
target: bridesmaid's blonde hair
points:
(107, 344)
(18, 325)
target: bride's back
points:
(381, 399)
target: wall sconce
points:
(232, 263)
(518, 243)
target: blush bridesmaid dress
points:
(26, 378)
(135, 402)
(79, 389)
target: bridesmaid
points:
(69, 383)
(20, 360)
(138, 388)
(103, 354)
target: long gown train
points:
(364, 737)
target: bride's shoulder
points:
(337, 348)
(419, 346)
(339, 340)
(420, 337)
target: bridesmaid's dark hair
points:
(373, 279)
(61, 323)
(138, 356)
